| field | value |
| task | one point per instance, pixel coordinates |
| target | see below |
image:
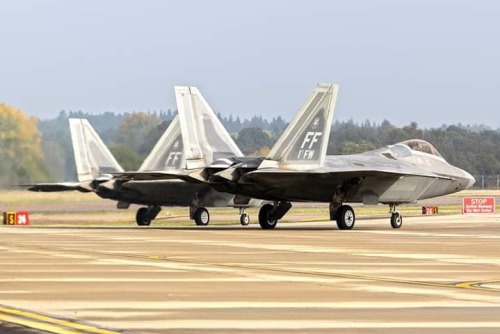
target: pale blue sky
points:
(432, 62)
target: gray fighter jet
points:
(194, 139)
(298, 170)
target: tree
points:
(350, 147)
(134, 129)
(21, 158)
(252, 139)
(128, 159)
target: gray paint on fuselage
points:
(393, 174)
(172, 193)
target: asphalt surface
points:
(436, 274)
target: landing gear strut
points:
(396, 218)
(269, 214)
(145, 215)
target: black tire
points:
(244, 219)
(264, 221)
(396, 220)
(345, 218)
(140, 217)
(201, 217)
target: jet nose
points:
(470, 180)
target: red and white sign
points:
(478, 205)
(22, 218)
(430, 210)
(16, 218)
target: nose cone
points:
(469, 180)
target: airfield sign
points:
(478, 205)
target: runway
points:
(436, 273)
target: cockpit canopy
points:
(421, 146)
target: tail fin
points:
(304, 142)
(92, 156)
(168, 153)
(205, 138)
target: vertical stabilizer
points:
(205, 138)
(168, 153)
(92, 156)
(304, 142)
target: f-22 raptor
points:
(194, 139)
(297, 169)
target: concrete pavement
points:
(438, 273)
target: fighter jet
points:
(298, 170)
(194, 139)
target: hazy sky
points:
(432, 62)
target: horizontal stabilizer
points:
(55, 187)
(188, 176)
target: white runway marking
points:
(299, 324)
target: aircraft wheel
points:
(140, 217)
(264, 220)
(396, 220)
(345, 218)
(244, 219)
(201, 217)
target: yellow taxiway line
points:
(472, 285)
(46, 323)
(477, 285)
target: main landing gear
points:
(345, 217)
(343, 214)
(145, 215)
(200, 215)
(269, 214)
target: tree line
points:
(34, 150)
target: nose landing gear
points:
(244, 217)
(396, 218)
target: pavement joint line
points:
(460, 285)
(50, 324)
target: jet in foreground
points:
(194, 139)
(298, 170)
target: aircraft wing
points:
(193, 176)
(358, 183)
(54, 187)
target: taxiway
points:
(437, 273)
